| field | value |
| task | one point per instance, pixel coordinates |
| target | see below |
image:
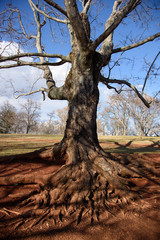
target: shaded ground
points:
(135, 221)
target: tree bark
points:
(80, 139)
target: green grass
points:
(30, 136)
(11, 144)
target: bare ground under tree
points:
(42, 200)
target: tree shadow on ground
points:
(132, 147)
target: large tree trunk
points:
(81, 130)
(80, 138)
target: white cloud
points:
(9, 48)
(60, 73)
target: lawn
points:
(11, 144)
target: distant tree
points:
(124, 114)
(145, 120)
(50, 126)
(100, 127)
(116, 114)
(62, 115)
(30, 112)
(19, 125)
(7, 118)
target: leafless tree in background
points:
(30, 114)
(7, 118)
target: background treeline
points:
(121, 114)
(125, 114)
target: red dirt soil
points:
(137, 221)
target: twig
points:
(42, 89)
(149, 72)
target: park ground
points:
(137, 221)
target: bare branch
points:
(149, 72)
(53, 92)
(32, 64)
(115, 63)
(106, 81)
(48, 16)
(107, 44)
(134, 45)
(156, 94)
(111, 87)
(20, 55)
(76, 22)
(56, 6)
(42, 89)
(115, 19)
(86, 6)
(20, 20)
(34, 12)
(39, 34)
(21, 23)
(58, 93)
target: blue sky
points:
(131, 67)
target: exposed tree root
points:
(74, 192)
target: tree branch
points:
(32, 64)
(58, 93)
(54, 93)
(20, 55)
(107, 45)
(46, 15)
(149, 72)
(20, 20)
(22, 26)
(106, 81)
(35, 15)
(115, 19)
(134, 45)
(56, 6)
(156, 94)
(76, 22)
(86, 6)
(42, 89)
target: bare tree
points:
(145, 120)
(19, 125)
(50, 126)
(62, 115)
(116, 114)
(100, 127)
(7, 118)
(89, 174)
(30, 114)
(125, 113)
